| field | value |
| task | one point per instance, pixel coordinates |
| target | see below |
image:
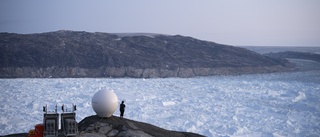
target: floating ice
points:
(301, 96)
(168, 103)
(278, 104)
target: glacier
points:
(275, 104)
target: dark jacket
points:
(122, 106)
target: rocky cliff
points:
(83, 54)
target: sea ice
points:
(301, 96)
(168, 103)
(277, 104)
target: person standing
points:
(122, 106)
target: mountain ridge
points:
(147, 55)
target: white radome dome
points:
(104, 103)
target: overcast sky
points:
(233, 22)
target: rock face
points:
(95, 126)
(83, 54)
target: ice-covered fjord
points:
(277, 104)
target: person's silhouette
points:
(122, 106)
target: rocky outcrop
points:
(83, 54)
(122, 127)
(94, 126)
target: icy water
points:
(277, 104)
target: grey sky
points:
(233, 22)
